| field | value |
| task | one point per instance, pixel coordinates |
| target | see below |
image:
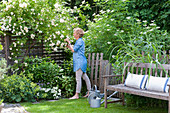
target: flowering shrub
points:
(122, 37)
(38, 20)
(55, 81)
(49, 93)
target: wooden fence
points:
(31, 48)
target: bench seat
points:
(140, 92)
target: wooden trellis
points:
(31, 48)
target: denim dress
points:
(79, 59)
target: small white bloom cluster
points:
(55, 91)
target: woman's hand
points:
(67, 40)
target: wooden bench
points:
(139, 68)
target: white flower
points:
(83, 2)
(9, 57)
(108, 29)
(108, 10)
(144, 21)
(37, 94)
(127, 17)
(152, 24)
(26, 64)
(61, 20)
(108, 42)
(111, 19)
(113, 56)
(121, 31)
(12, 13)
(62, 36)
(12, 53)
(26, 29)
(59, 94)
(23, 5)
(138, 20)
(16, 61)
(55, 49)
(57, 32)
(48, 89)
(56, 5)
(157, 27)
(75, 7)
(40, 31)
(151, 30)
(115, 34)
(32, 10)
(58, 43)
(52, 44)
(61, 70)
(32, 36)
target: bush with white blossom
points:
(37, 20)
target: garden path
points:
(13, 108)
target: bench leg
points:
(123, 99)
(105, 93)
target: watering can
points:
(94, 97)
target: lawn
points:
(82, 106)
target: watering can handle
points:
(95, 87)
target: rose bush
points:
(38, 20)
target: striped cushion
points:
(136, 81)
(157, 84)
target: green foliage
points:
(3, 67)
(44, 71)
(17, 88)
(152, 10)
(68, 78)
(1, 100)
(49, 76)
(1, 47)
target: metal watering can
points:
(94, 97)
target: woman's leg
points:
(79, 74)
(88, 84)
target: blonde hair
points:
(79, 31)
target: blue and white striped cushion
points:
(136, 81)
(157, 84)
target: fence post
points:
(6, 48)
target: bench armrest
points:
(105, 76)
(168, 84)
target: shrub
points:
(44, 71)
(3, 68)
(17, 88)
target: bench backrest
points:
(162, 70)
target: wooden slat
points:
(100, 73)
(92, 68)
(7, 49)
(96, 69)
(89, 59)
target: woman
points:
(79, 62)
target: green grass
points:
(82, 106)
